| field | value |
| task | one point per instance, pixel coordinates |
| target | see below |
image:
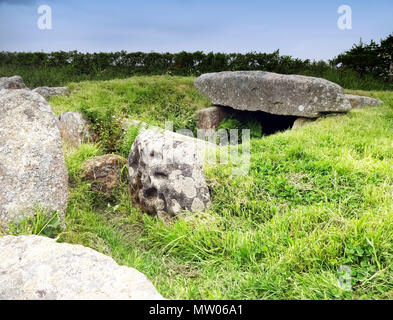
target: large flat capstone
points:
(279, 94)
(38, 268)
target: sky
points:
(302, 28)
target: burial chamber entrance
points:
(259, 122)
(269, 123)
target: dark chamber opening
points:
(271, 123)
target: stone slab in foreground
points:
(166, 173)
(279, 94)
(32, 167)
(38, 268)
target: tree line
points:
(369, 59)
(182, 63)
(364, 66)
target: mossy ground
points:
(315, 199)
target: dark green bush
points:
(369, 60)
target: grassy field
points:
(315, 199)
(153, 99)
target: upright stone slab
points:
(301, 122)
(166, 174)
(32, 167)
(38, 268)
(211, 118)
(74, 129)
(274, 93)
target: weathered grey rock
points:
(32, 167)
(49, 92)
(74, 129)
(361, 102)
(274, 93)
(105, 172)
(15, 82)
(211, 118)
(301, 122)
(38, 268)
(166, 174)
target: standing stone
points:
(38, 268)
(274, 93)
(301, 122)
(361, 102)
(74, 129)
(49, 92)
(211, 118)
(32, 167)
(15, 82)
(105, 172)
(166, 174)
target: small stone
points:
(105, 172)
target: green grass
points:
(154, 100)
(57, 76)
(315, 199)
(37, 76)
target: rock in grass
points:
(105, 172)
(274, 93)
(38, 268)
(166, 175)
(15, 82)
(49, 92)
(74, 129)
(32, 167)
(361, 102)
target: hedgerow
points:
(61, 68)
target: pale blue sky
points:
(303, 28)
